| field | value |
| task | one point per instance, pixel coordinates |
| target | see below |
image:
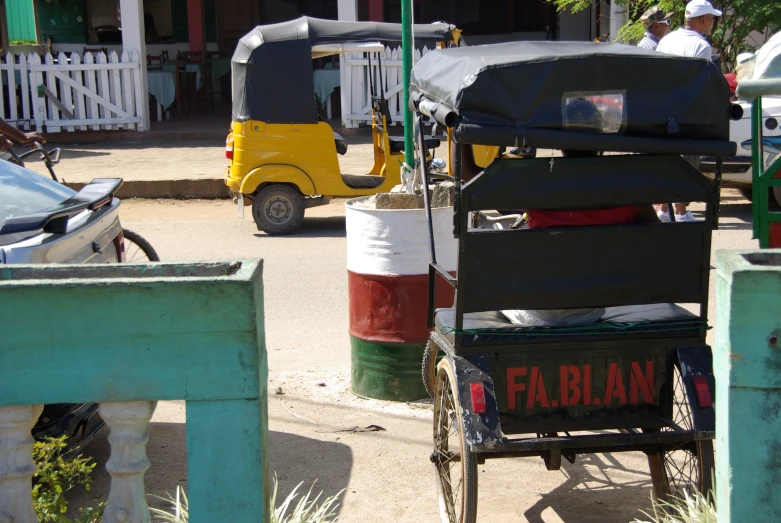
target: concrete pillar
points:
(376, 10)
(16, 462)
(348, 10)
(133, 43)
(128, 461)
(618, 17)
(746, 360)
(195, 26)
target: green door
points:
(63, 20)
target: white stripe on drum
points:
(395, 241)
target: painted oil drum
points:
(387, 274)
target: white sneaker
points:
(663, 216)
(685, 217)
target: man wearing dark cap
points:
(657, 25)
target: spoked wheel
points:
(137, 249)
(681, 470)
(456, 466)
(429, 370)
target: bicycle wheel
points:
(456, 465)
(429, 367)
(137, 249)
(682, 470)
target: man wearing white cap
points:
(689, 41)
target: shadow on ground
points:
(735, 210)
(589, 483)
(67, 154)
(326, 227)
(294, 458)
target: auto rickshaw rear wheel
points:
(278, 209)
(456, 465)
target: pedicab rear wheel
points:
(456, 465)
(682, 470)
(429, 367)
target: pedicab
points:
(283, 157)
(640, 378)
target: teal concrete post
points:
(129, 335)
(747, 368)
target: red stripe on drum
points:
(392, 309)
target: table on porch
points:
(162, 83)
(326, 80)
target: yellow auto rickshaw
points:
(283, 158)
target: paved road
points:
(386, 475)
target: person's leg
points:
(662, 212)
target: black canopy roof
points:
(515, 93)
(272, 65)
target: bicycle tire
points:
(429, 367)
(143, 246)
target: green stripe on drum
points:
(387, 371)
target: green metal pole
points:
(759, 190)
(407, 48)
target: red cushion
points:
(610, 216)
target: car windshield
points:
(24, 192)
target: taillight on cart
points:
(704, 399)
(478, 398)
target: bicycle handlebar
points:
(50, 157)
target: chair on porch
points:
(185, 87)
(191, 56)
(156, 62)
(203, 97)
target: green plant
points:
(692, 508)
(305, 510)
(56, 476)
(740, 19)
(22, 42)
(179, 506)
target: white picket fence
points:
(355, 85)
(75, 94)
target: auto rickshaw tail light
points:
(704, 398)
(478, 398)
(229, 146)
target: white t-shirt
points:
(685, 42)
(554, 317)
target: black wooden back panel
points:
(584, 266)
(585, 183)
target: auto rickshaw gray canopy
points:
(272, 65)
(515, 94)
